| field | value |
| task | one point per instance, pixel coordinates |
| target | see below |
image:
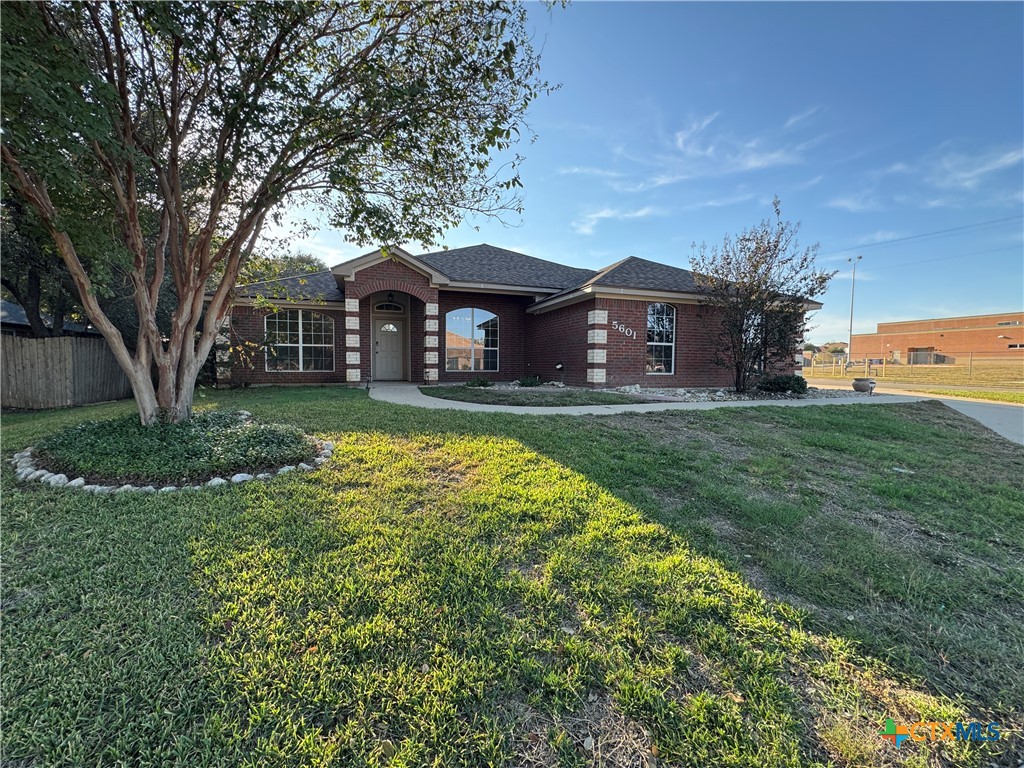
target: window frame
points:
(301, 345)
(670, 344)
(473, 343)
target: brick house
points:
(454, 315)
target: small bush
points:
(794, 384)
(213, 443)
(529, 381)
(479, 381)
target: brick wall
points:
(983, 342)
(559, 336)
(512, 324)
(247, 325)
(695, 344)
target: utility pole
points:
(853, 285)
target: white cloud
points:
(721, 202)
(967, 172)
(857, 203)
(879, 236)
(584, 170)
(683, 137)
(800, 117)
(585, 225)
(812, 182)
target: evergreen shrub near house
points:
(213, 443)
(479, 381)
(791, 383)
(529, 381)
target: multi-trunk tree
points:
(757, 285)
(186, 127)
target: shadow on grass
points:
(480, 588)
(458, 599)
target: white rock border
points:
(26, 470)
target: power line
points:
(925, 234)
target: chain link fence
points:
(974, 368)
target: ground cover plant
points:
(122, 450)
(541, 397)
(732, 587)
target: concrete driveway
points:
(1003, 418)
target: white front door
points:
(389, 350)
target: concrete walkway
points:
(1007, 420)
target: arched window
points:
(389, 306)
(471, 340)
(661, 338)
(299, 340)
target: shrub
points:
(213, 443)
(793, 383)
(479, 381)
(529, 381)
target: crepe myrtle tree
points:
(757, 285)
(197, 123)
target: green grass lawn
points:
(535, 396)
(999, 397)
(736, 587)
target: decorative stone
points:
(24, 472)
(284, 470)
(304, 467)
(328, 446)
(78, 482)
(36, 475)
(91, 488)
(320, 460)
(148, 489)
(241, 477)
(22, 454)
(168, 489)
(57, 481)
(23, 463)
(264, 476)
(245, 414)
(105, 489)
(124, 488)
(45, 476)
(216, 482)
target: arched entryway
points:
(389, 336)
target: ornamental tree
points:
(757, 285)
(184, 128)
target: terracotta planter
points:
(863, 385)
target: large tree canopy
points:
(196, 122)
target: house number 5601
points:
(629, 332)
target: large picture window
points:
(299, 340)
(661, 338)
(471, 340)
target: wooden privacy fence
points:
(51, 373)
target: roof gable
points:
(312, 286)
(498, 266)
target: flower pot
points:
(863, 385)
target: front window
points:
(661, 338)
(471, 340)
(299, 340)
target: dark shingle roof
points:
(647, 275)
(14, 314)
(313, 286)
(487, 264)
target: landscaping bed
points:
(119, 451)
(731, 587)
(544, 396)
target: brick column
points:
(353, 371)
(430, 342)
(597, 338)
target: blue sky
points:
(873, 122)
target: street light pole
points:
(853, 285)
